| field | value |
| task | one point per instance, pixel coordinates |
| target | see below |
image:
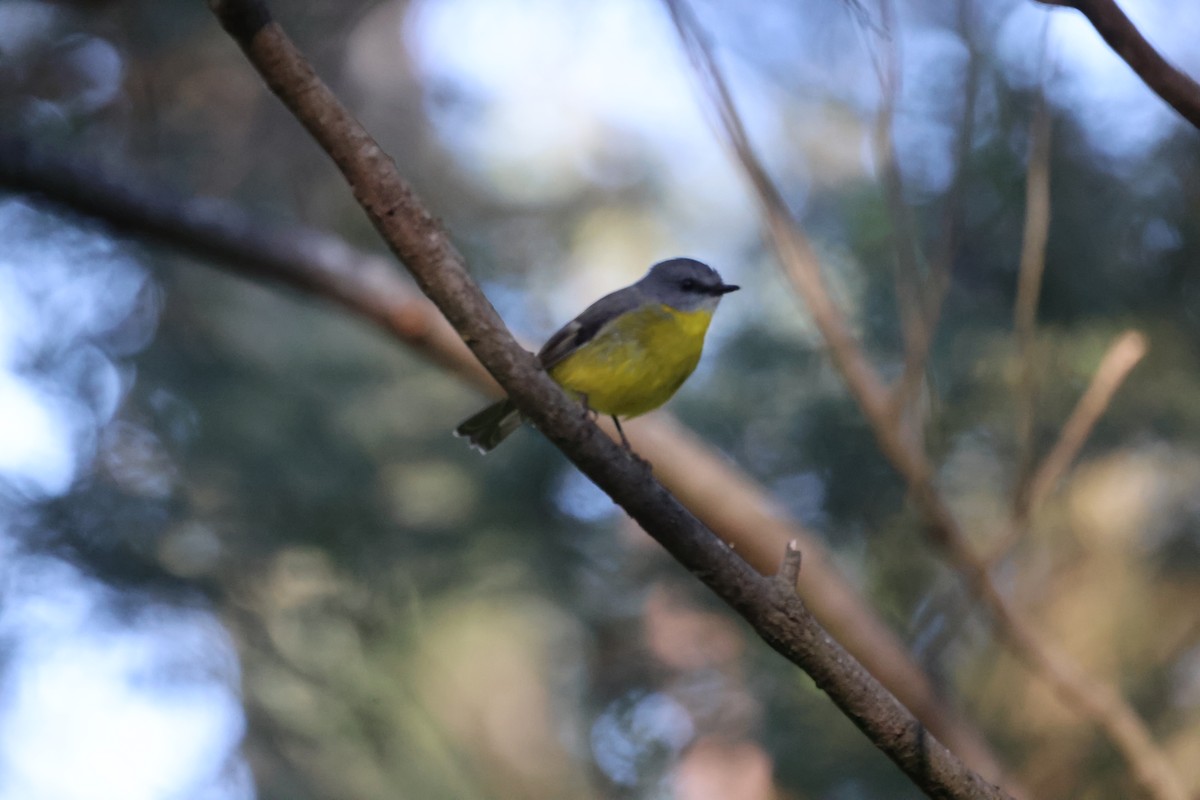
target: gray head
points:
(684, 284)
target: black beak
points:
(725, 288)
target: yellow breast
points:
(637, 362)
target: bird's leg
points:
(587, 411)
(624, 441)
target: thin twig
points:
(789, 568)
(1088, 696)
(1029, 287)
(797, 257)
(907, 278)
(1166, 80)
(937, 284)
(1119, 360)
(425, 249)
(1126, 351)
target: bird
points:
(626, 354)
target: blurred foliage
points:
(411, 620)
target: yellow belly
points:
(635, 365)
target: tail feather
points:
(491, 426)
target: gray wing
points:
(583, 329)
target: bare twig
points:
(1088, 696)
(908, 279)
(423, 246)
(1119, 360)
(943, 261)
(797, 257)
(937, 283)
(1029, 286)
(789, 569)
(369, 286)
(1164, 79)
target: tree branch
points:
(1119, 360)
(932, 288)
(301, 258)
(423, 246)
(1029, 289)
(1164, 79)
(369, 286)
(908, 280)
(1088, 696)
(1126, 351)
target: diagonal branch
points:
(1165, 79)
(425, 249)
(796, 254)
(1126, 351)
(1088, 696)
(1119, 360)
(300, 258)
(369, 286)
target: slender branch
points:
(907, 279)
(952, 210)
(370, 287)
(937, 284)
(1126, 351)
(424, 247)
(1087, 695)
(1029, 287)
(796, 254)
(1164, 79)
(1119, 360)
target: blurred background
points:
(243, 557)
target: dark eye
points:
(689, 285)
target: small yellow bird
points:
(627, 353)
